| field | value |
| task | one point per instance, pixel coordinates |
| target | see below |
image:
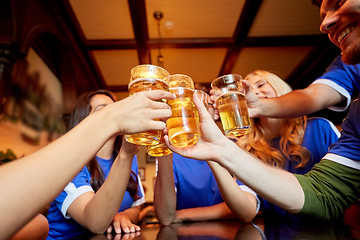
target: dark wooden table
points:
(263, 227)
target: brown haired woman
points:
(107, 190)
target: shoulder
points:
(322, 124)
(338, 63)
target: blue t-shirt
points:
(347, 150)
(343, 78)
(61, 225)
(195, 183)
(319, 134)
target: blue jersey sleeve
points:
(344, 79)
(344, 75)
(78, 186)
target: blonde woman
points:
(294, 144)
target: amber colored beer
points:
(139, 85)
(158, 150)
(183, 125)
(234, 114)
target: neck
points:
(272, 126)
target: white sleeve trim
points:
(342, 160)
(337, 88)
(140, 200)
(73, 193)
(263, 237)
(334, 128)
(249, 190)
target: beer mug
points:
(231, 104)
(183, 126)
(159, 149)
(147, 78)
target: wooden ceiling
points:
(203, 38)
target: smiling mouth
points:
(345, 33)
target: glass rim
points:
(180, 76)
(148, 65)
(158, 68)
(230, 76)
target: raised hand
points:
(140, 112)
(252, 100)
(212, 139)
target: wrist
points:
(225, 158)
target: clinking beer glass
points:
(183, 126)
(231, 105)
(147, 78)
(159, 149)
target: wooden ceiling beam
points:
(286, 41)
(139, 21)
(243, 26)
(69, 17)
(191, 43)
(280, 41)
(110, 44)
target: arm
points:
(294, 104)
(144, 212)
(242, 204)
(274, 184)
(214, 212)
(38, 173)
(164, 195)
(95, 211)
(37, 228)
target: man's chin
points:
(351, 55)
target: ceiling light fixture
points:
(158, 15)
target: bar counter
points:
(263, 227)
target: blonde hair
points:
(292, 132)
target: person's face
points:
(99, 101)
(340, 20)
(261, 87)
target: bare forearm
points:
(45, 173)
(101, 209)
(164, 195)
(274, 184)
(215, 212)
(242, 204)
(300, 102)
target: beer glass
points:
(159, 149)
(183, 126)
(147, 78)
(231, 104)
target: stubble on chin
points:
(351, 55)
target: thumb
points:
(246, 86)
(203, 112)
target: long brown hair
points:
(293, 129)
(81, 110)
